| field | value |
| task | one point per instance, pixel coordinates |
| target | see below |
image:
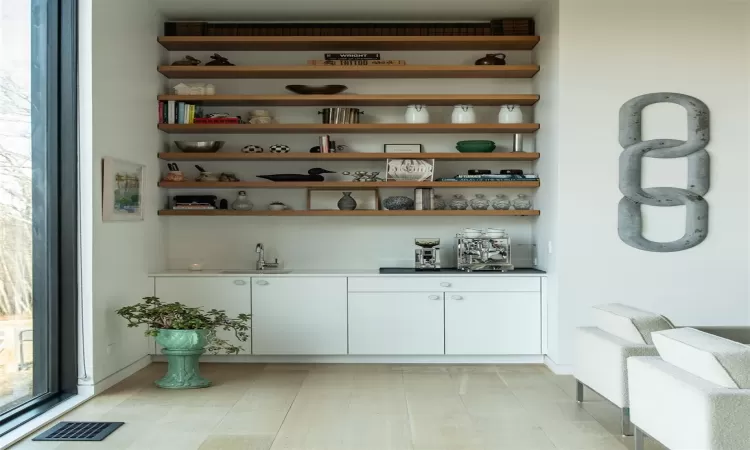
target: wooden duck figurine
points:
(312, 175)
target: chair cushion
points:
(628, 323)
(713, 358)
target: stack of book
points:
(492, 177)
(355, 59)
(177, 112)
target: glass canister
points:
(458, 202)
(438, 202)
(522, 202)
(501, 202)
(479, 202)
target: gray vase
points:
(347, 203)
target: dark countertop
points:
(454, 271)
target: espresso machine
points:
(427, 255)
(483, 252)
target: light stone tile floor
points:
(354, 407)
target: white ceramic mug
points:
(417, 114)
(510, 114)
(463, 114)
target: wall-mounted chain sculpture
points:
(630, 223)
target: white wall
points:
(547, 112)
(609, 53)
(334, 242)
(118, 85)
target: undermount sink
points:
(252, 272)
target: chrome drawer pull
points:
(239, 282)
(445, 284)
(262, 282)
(434, 297)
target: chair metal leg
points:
(579, 391)
(627, 427)
(638, 437)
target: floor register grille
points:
(79, 431)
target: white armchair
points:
(602, 351)
(695, 396)
(621, 331)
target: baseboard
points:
(120, 375)
(348, 359)
(558, 369)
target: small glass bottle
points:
(242, 203)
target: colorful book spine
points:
(170, 111)
(160, 116)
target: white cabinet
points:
(493, 323)
(387, 323)
(299, 316)
(230, 294)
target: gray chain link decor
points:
(630, 222)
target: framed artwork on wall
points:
(122, 198)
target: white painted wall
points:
(118, 85)
(548, 114)
(333, 242)
(609, 53)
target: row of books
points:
(355, 59)
(178, 112)
(529, 177)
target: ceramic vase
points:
(510, 114)
(347, 203)
(438, 203)
(463, 114)
(459, 202)
(501, 202)
(479, 202)
(522, 202)
(242, 203)
(417, 114)
(183, 348)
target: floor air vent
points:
(79, 431)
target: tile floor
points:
(354, 407)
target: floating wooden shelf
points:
(308, 72)
(355, 100)
(333, 43)
(344, 184)
(298, 128)
(226, 212)
(300, 156)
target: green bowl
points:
(475, 146)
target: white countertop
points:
(340, 273)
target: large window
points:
(38, 206)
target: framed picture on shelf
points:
(410, 169)
(329, 199)
(122, 198)
(402, 148)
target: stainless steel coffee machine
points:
(427, 256)
(485, 251)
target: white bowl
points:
(472, 233)
(495, 232)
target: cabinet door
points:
(228, 293)
(396, 323)
(493, 323)
(299, 316)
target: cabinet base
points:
(355, 359)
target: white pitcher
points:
(510, 114)
(417, 114)
(463, 114)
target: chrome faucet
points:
(262, 264)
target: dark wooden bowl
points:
(328, 89)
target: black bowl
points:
(328, 89)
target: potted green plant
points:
(185, 333)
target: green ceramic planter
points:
(183, 349)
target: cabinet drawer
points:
(464, 283)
